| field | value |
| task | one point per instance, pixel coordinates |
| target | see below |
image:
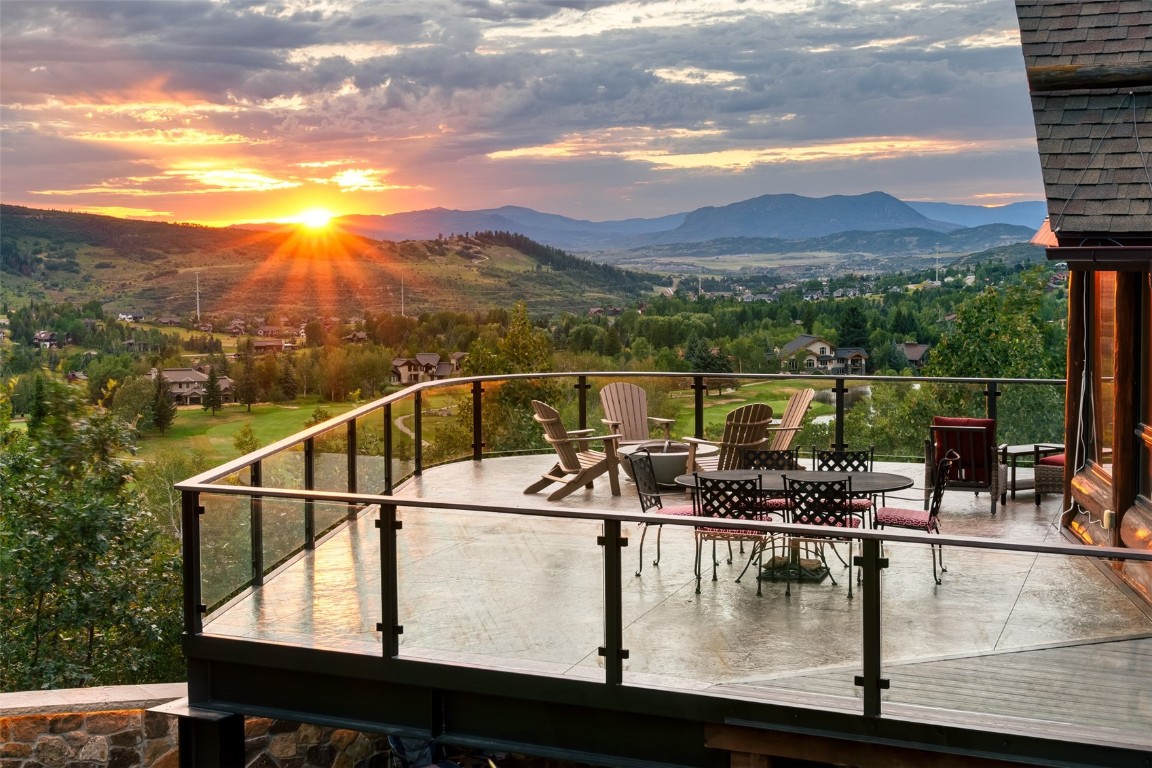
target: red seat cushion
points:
(850, 522)
(1053, 461)
(683, 509)
(903, 518)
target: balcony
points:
(384, 570)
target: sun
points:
(315, 218)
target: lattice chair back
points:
(735, 499)
(755, 458)
(821, 502)
(943, 472)
(837, 460)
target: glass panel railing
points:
(371, 471)
(403, 426)
(446, 424)
(775, 646)
(283, 531)
(504, 591)
(330, 460)
(1014, 637)
(225, 548)
(284, 469)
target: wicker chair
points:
(1049, 471)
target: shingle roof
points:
(1090, 74)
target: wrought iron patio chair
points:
(729, 499)
(787, 459)
(978, 466)
(923, 520)
(844, 460)
(823, 503)
(625, 408)
(652, 500)
(577, 464)
(745, 427)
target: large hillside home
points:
(426, 366)
(807, 354)
(1089, 66)
(186, 385)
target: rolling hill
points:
(157, 268)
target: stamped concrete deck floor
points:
(1002, 636)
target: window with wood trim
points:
(1103, 364)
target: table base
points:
(780, 568)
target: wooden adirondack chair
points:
(744, 428)
(625, 408)
(792, 419)
(577, 464)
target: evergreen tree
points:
(288, 383)
(852, 330)
(163, 406)
(213, 398)
(246, 389)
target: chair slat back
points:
(835, 460)
(756, 458)
(792, 418)
(645, 477)
(819, 502)
(556, 435)
(744, 427)
(625, 408)
(736, 499)
(943, 470)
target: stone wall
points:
(115, 739)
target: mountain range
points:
(778, 216)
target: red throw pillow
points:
(1053, 461)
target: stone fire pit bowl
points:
(669, 458)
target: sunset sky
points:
(220, 112)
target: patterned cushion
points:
(775, 505)
(1053, 461)
(860, 505)
(903, 518)
(683, 509)
(739, 532)
(851, 522)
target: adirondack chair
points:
(792, 419)
(577, 465)
(625, 408)
(744, 428)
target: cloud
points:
(455, 102)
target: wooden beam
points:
(1070, 77)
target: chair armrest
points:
(578, 432)
(698, 441)
(612, 424)
(665, 423)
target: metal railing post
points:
(582, 387)
(190, 511)
(841, 390)
(992, 394)
(389, 625)
(309, 485)
(613, 649)
(698, 403)
(477, 421)
(871, 681)
(418, 439)
(256, 514)
(351, 458)
(388, 448)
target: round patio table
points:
(863, 483)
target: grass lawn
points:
(195, 429)
(716, 407)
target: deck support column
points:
(841, 390)
(389, 626)
(418, 439)
(613, 649)
(309, 484)
(388, 448)
(206, 736)
(871, 563)
(698, 404)
(256, 516)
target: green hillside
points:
(153, 268)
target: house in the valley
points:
(187, 385)
(426, 366)
(814, 354)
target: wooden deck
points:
(1017, 642)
